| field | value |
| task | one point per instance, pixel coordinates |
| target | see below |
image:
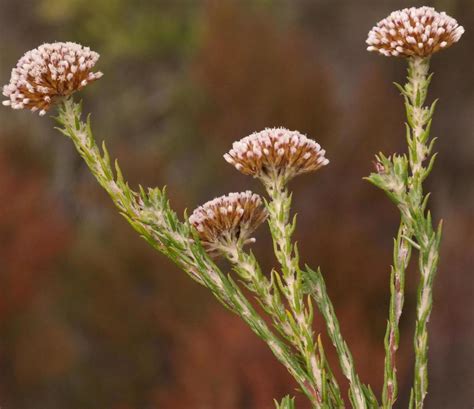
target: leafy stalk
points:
(427, 237)
(292, 285)
(402, 177)
(360, 396)
(151, 216)
(268, 294)
(300, 314)
(393, 177)
(401, 259)
(294, 291)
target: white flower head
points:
(416, 31)
(276, 153)
(49, 72)
(229, 220)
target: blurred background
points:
(91, 317)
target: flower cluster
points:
(414, 32)
(276, 153)
(228, 220)
(48, 72)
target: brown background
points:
(91, 317)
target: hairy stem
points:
(150, 215)
(402, 177)
(282, 229)
(301, 311)
(401, 259)
(317, 288)
(301, 315)
(268, 295)
(428, 239)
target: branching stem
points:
(402, 179)
(292, 286)
(150, 215)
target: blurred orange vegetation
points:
(26, 254)
(91, 317)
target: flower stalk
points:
(402, 177)
(301, 319)
(416, 223)
(393, 177)
(275, 156)
(416, 34)
(268, 296)
(295, 285)
(150, 215)
(428, 239)
(294, 290)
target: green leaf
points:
(287, 403)
(400, 88)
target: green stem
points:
(401, 259)
(150, 215)
(420, 147)
(318, 290)
(282, 229)
(301, 316)
(428, 263)
(301, 313)
(268, 295)
(402, 178)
